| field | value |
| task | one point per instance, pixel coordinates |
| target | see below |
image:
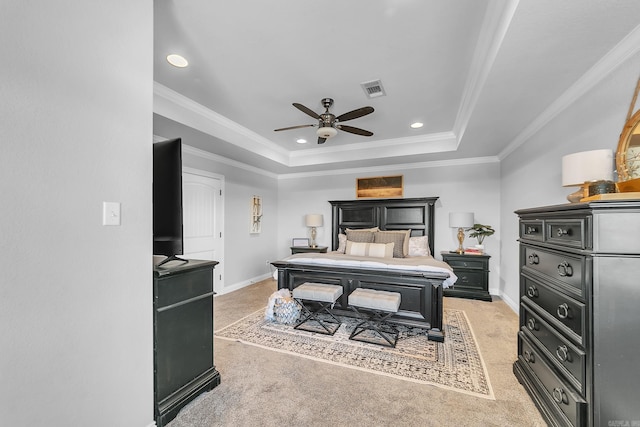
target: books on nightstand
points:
(473, 251)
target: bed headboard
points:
(387, 214)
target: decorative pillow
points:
(419, 246)
(363, 236)
(342, 243)
(399, 237)
(376, 250)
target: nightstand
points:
(303, 249)
(473, 275)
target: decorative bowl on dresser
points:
(578, 347)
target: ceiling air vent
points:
(373, 89)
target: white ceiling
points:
(481, 75)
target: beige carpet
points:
(454, 364)
(261, 387)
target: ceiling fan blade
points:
(307, 110)
(357, 131)
(321, 140)
(355, 114)
(294, 127)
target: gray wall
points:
(474, 187)
(532, 175)
(75, 296)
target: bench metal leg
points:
(330, 325)
(377, 322)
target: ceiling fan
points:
(328, 124)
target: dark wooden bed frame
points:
(421, 292)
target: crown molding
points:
(175, 106)
(216, 158)
(625, 49)
(497, 20)
(396, 167)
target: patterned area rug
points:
(455, 364)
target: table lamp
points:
(586, 167)
(460, 220)
(313, 221)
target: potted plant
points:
(480, 231)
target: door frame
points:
(219, 270)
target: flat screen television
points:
(167, 200)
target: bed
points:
(419, 280)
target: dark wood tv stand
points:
(182, 336)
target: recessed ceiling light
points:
(177, 60)
(301, 141)
(417, 125)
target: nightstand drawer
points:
(478, 264)
(471, 279)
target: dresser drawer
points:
(532, 230)
(557, 308)
(570, 359)
(568, 271)
(555, 391)
(567, 232)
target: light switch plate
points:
(110, 213)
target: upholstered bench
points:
(323, 294)
(374, 308)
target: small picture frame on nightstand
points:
(300, 241)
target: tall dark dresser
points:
(182, 336)
(579, 337)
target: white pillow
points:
(342, 243)
(375, 250)
(419, 246)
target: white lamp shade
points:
(326, 132)
(313, 220)
(585, 166)
(461, 219)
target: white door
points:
(202, 222)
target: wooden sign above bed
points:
(416, 214)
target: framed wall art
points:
(255, 226)
(380, 187)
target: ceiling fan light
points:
(326, 132)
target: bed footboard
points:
(421, 292)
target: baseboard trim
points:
(244, 283)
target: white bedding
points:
(422, 263)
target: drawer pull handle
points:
(565, 269)
(563, 232)
(531, 229)
(534, 259)
(529, 357)
(532, 291)
(531, 324)
(559, 395)
(563, 311)
(563, 353)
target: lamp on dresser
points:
(312, 221)
(460, 220)
(587, 168)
